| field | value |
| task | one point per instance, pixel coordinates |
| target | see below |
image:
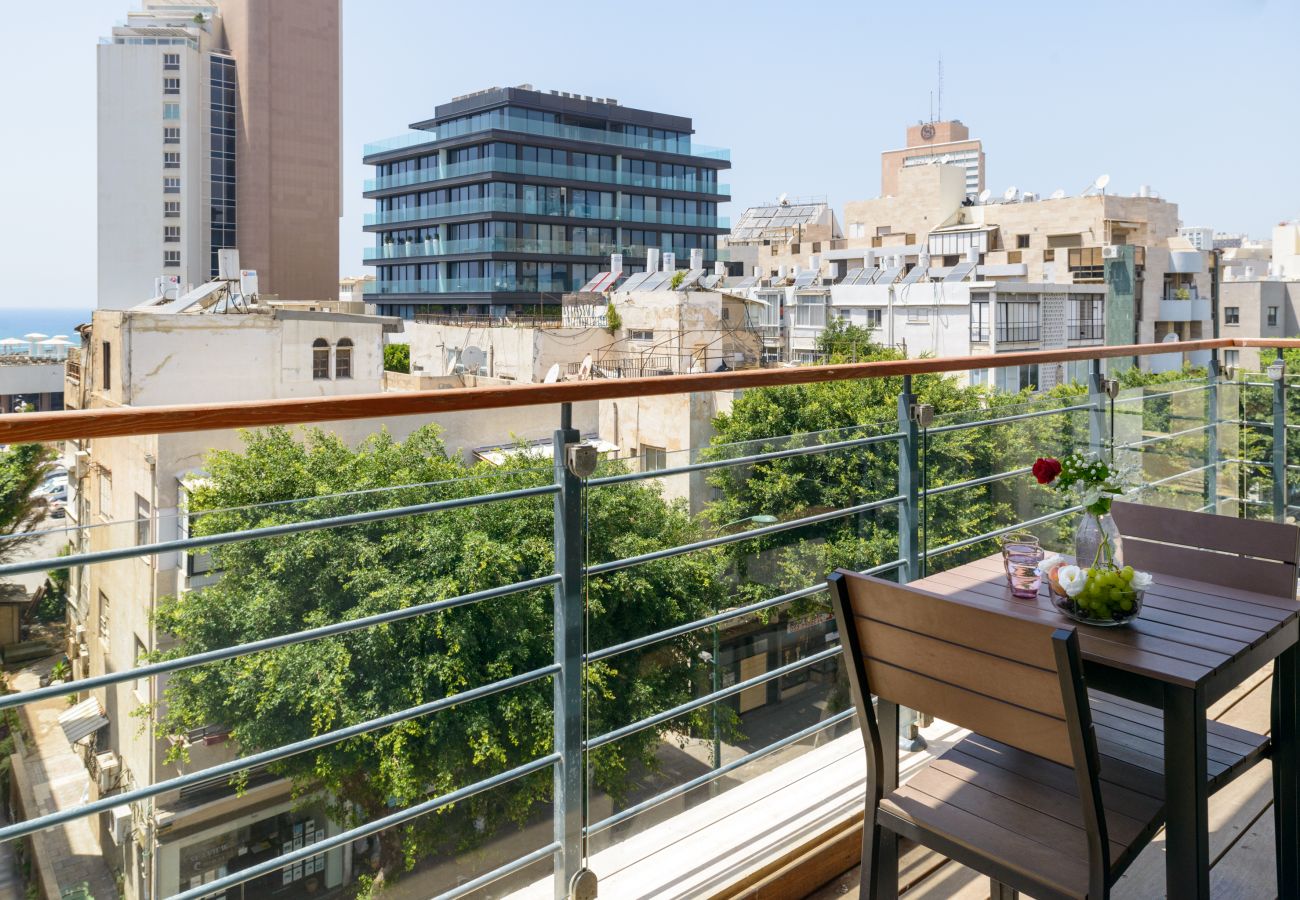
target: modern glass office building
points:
(509, 197)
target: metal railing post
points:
(1097, 416)
(1212, 434)
(909, 537)
(568, 800)
(1279, 439)
(909, 486)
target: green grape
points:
(1126, 605)
(1127, 573)
(1115, 595)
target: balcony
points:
(1191, 309)
(491, 630)
(500, 121)
(542, 208)
(544, 170)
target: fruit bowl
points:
(1108, 598)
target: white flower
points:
(1072, 579)
(1050, 562)
(1141, 581)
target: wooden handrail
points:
(131, 420)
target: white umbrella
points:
(35, 336)
(56, 342)
(12, 342)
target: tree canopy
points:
(23, 467)
(278, 586)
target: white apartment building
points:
(163, 80)
(1200, 237)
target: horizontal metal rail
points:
(998, 532)
(731, 614)
(747, 460)
(269, 531)
(1001, 420)
(361, 831)
(1144, 397)
(1133, 445)
(976, 482)
(499, 872)
(233, 767)
(297, 637)
(1147, 485)
(699, 702)
(720, 540)
(714, 774)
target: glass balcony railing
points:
(411, 642)
(414, 249)
(545, 170)
(500, 121)
(542, 208)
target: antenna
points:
(985, 195)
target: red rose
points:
(1046, 469)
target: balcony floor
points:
(1241, 834)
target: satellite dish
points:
(552, 374)
(472, 358)
(1101, 182)
(781, 201)
(984, 195)
(1009, 194)
(1058, 194)
(584, 371)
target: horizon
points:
(1142, 100)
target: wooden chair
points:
(1022, 799)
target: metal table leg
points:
(1286, 778)
(1187, 828)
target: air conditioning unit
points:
(119, 824)
(1110, 251)
(109, 767)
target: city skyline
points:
(1139, 98)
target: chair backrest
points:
(1245, 553)
(994, 673)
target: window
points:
(1232, 315)
(171, 134)
(171, 234)
(171, 62)
(105, 493)
(171, 111)
(1049, 255)
(1086, 264)
(1022, 242)
(171, 209)
(1017, 378)
(171, 85)
(142, 683)
(653, 458)
(171, 258)
(979, 322)
(106, 351)
(641, 335)
(171, 160)
(104, 617)
(874, 318)
(171, 185)
(143, 523)
(320, 359)
(1017, 322)
(918, 314)
(1231, 358)
(1272, 316)
(343, 358)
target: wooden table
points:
(1192, 644)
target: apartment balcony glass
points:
(411, 249)
(544, 170)
(502, 121)
(542, 208)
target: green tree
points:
(842, 341)
(397, 357)
(274, 587)
(23, 467)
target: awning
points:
(82, 720)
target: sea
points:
(16, 321)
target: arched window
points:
(343, 358)
(320, 358)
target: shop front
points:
(203, 857)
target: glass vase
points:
(1097, 542)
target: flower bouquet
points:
(1100, 590)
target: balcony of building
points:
(562, 172)
(629, 668)
(1183, 305)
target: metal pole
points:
(1212, 434)
(1097, 417)
(1279, 442)
(568, 808)
(909, 486)
(717, 686)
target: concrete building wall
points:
(288, 142)
(522, 354)
(130, 173)
(1251, 302)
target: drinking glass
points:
(1022, 571)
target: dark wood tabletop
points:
(1189, 634)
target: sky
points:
(1196, 99)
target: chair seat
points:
(1135, 733)
(1017, 818)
